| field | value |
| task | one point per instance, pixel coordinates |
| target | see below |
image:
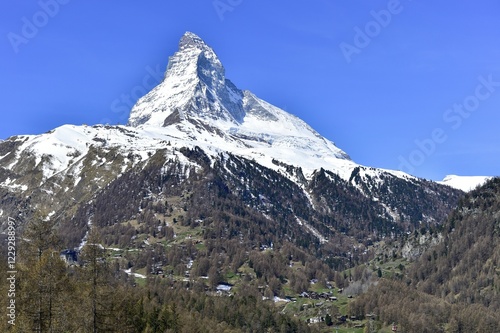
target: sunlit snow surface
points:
(63, 149)
(464, 183)
(207, 110)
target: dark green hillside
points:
(465, 267)
(455, 285)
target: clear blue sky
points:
(412, 85)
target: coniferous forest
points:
(96, 296)
(451, 287)
(455, 285)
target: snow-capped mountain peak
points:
(192, 40)
(194, 87)
(195, 101)
(196, 131)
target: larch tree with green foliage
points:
(44, 285)
(96, 286)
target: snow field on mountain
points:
(464, 183)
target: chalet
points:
(70, 257)
(224, 289)
(313, 295)
(325, 295)
(315, 320)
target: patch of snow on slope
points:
(57, 148)
(312, 230)
(464, 183)
(137, 275)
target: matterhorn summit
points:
(194, 86)
(197, 102)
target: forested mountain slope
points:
(455, 285)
